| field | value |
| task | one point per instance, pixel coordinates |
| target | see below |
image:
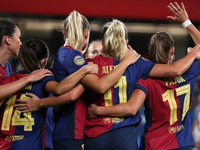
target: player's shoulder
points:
(143, 61)
(48, 78)
(151, 82)
(101, 58)
(67, 53)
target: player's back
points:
(23, 130)
(119, 93)
(166, 111)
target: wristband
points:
(186, 23)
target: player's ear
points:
(7, 40)
(172, 51)
(42, 63)
(86, 33)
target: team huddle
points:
(90, 102)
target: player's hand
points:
(129, 48)
(28, 105)
(92, 68)
(38, 75)
(195, 50)
(180, 14)
(131, 56)
(92, 111)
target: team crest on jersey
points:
(175, 129)
(107, 120)
(78, 60)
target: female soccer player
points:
(69, 59)
(94, 49)
(10, 43)
(167, 100)
(9, 47)
(18, 129)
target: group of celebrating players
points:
(96, 101)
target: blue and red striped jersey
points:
(119, 93)
(23, 130)
(70, 118)
(168, 124)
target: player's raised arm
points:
(181, 16)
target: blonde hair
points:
(74, 27)
(114, 39)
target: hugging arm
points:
(70, 81)
(34, 103)
(180, 66)
(177, 68)
(101, 85)
(129, 108)
(12, 87)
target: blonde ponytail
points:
(114, 44)
(74, 27)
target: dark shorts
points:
(124, 138)
(68, 144)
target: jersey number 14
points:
(27, 121)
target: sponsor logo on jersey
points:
(175, 129)
(78, 60)
(117, 120)
(14, 137)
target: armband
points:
(186, 23)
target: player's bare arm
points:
(106, 82)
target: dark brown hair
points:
(6, 29)
(32, 52)
(159, 47)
